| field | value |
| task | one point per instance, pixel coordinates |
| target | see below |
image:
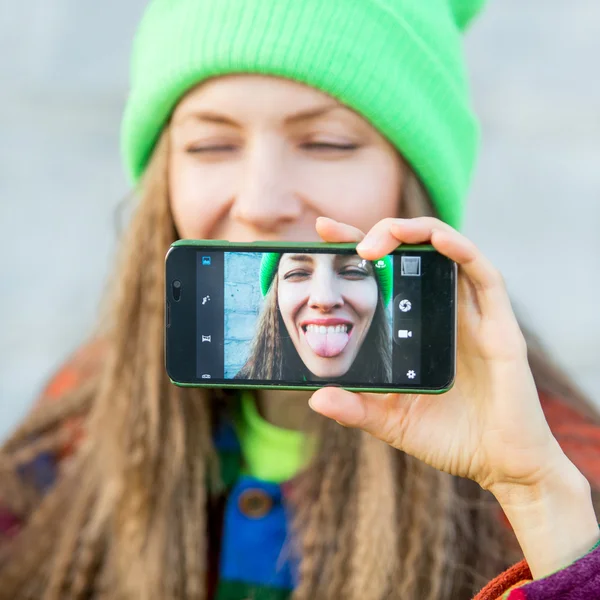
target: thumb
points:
(380, 415)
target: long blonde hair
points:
(128, 516)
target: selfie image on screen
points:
(297, 317)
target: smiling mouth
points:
(327, 341)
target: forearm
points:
(554, 521)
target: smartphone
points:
(307, 315)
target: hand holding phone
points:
(303, 316)
(490, 427)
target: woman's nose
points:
(265, 198)
(324, 293)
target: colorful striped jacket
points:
(253, 509)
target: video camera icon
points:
(405, 333)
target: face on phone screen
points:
(306, 318)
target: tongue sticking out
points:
(327, 344)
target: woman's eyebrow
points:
(313, 113)
(209, 117)
(206, 116)
(355, 259)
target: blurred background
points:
(534, 206)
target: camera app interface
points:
(301, 317)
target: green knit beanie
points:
(399, 63)
(269, 264)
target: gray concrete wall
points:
(243, 302)
(534, 205)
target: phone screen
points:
(307, 317)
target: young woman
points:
(324, 318)
(256, 119)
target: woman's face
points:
(260, 158)
(327, 302)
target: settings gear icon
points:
(411, 374)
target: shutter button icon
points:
(405, 305)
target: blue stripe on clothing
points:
(254, 550)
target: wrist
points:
(561, 480)
(553, 519)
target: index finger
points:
(336, 232)
(389, 233)
(489, 286)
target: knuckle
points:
(497, 279)
(394, 422)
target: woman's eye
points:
(354, 273)
(296, 275)
(217, 149)
(329, 147)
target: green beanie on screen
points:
(398, 63)
(269, 264)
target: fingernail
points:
(315, 406)
(316, 402)
(366, 244)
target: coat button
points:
(255, 503)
